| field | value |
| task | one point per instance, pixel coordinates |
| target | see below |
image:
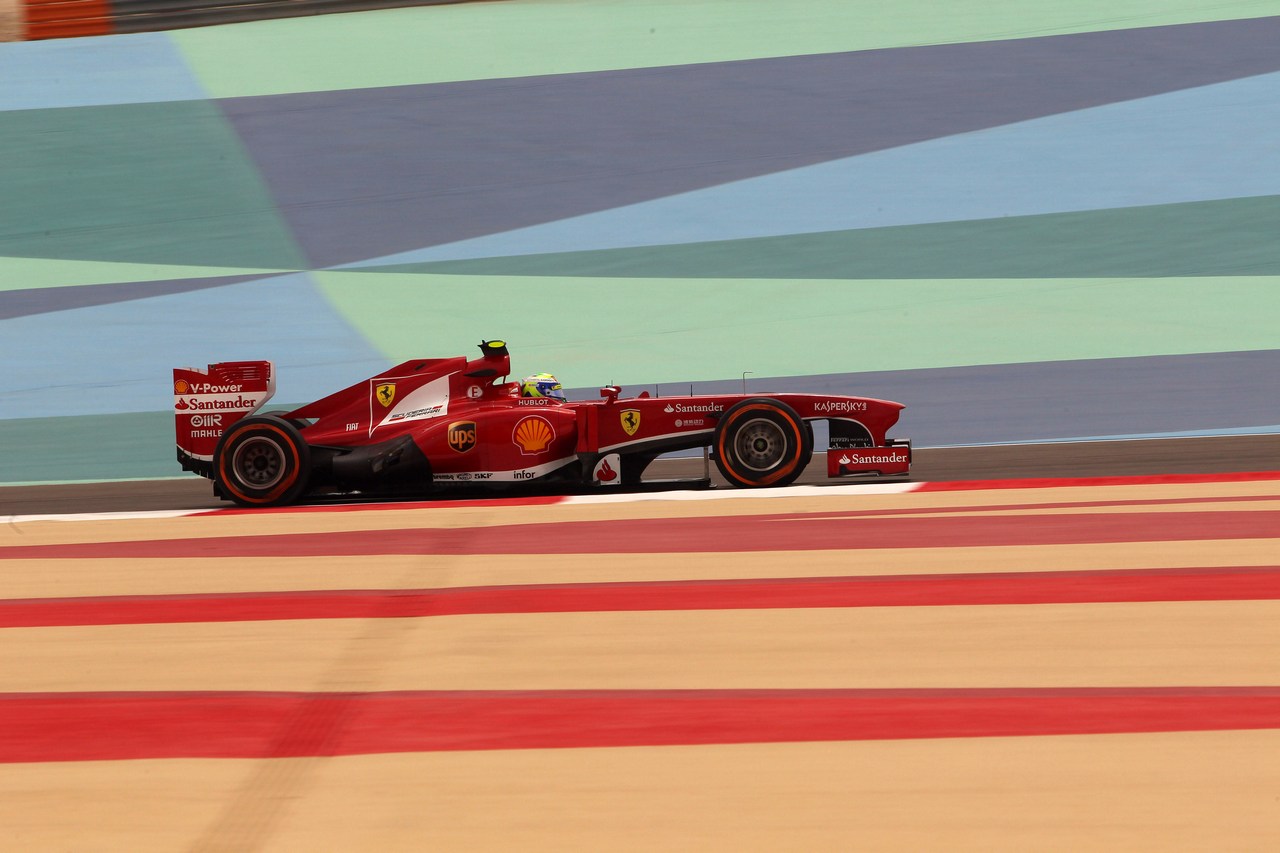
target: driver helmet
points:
(541, 385)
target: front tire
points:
(262, 461)
(762, 442)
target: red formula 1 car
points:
(439, 422)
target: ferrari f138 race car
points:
(435, 423)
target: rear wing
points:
(206, 402)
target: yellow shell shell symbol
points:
(181, 387)
(533, 434)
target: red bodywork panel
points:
(471, 425)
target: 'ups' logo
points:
(462, 435)
(386, 392)
(630, 421)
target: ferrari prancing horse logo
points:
(386, 393)
(630, 420)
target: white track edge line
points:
(697, 495)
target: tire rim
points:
(258, 463)
(760, 444)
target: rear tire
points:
(262, 461)
(762, 442)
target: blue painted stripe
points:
(1225, 393)
(117, 358)
(1273, 429)
(1213, 142)
(118, 69)
(44, 300)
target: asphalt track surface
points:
(1055, 664)
(1204, 455)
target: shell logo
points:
(533, 434)
(181, 387)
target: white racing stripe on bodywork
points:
(246, 401)
(533, 472)
(426, 402)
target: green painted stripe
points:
(484, 41)
(39, 273)
(1213, 238)
(591, 331)
(88, 447)
(162, 183)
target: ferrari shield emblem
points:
(386, 392)
(630, 420)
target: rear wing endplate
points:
(206, 402)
